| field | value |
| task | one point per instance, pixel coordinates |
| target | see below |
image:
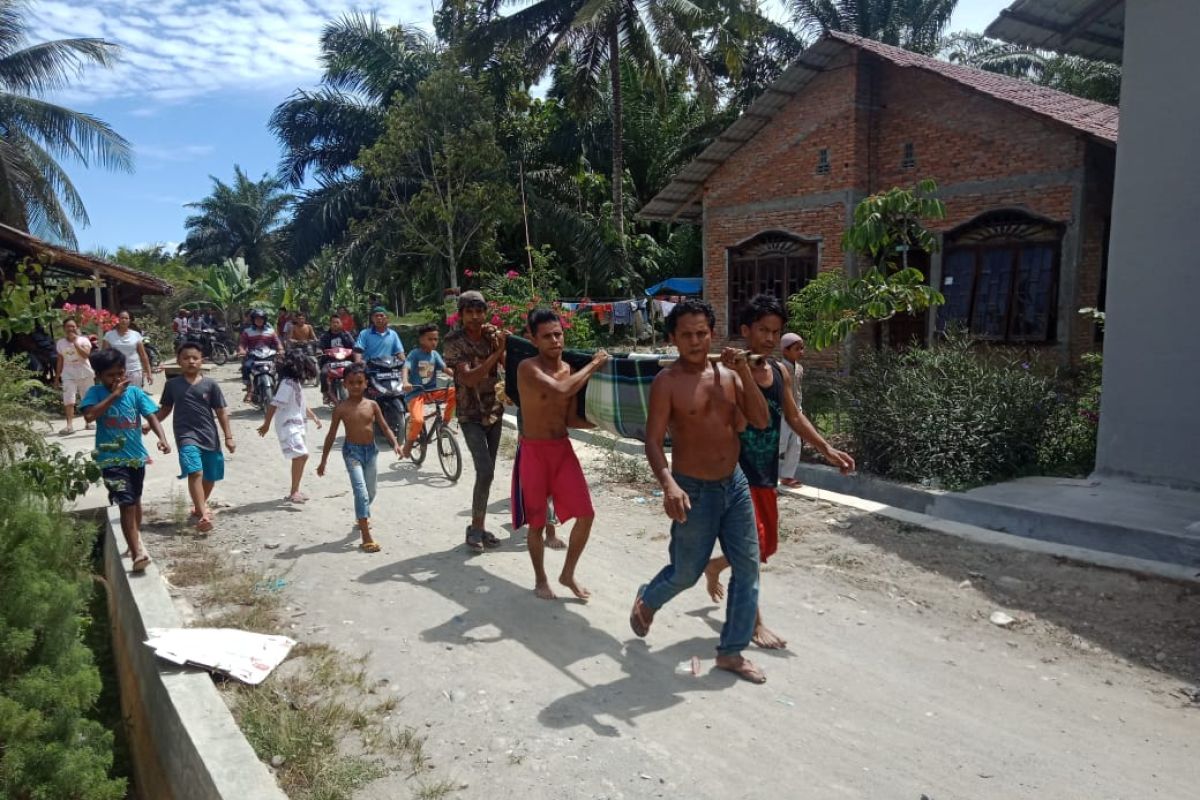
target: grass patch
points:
(618, 467)
(314, 720)
(434, 791)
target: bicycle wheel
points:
(220, 354)
(449, 454)
(418, 448)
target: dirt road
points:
(895, 683)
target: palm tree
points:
(597, 34)
(241, 220)
(912, 24)
(322, 131)
(36, 195)
(1094, 80)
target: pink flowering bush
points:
(85, 315)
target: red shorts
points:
(766, 517)
(548, 468)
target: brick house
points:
(1025, 173)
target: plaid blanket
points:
(616, 399)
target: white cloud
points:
(180, 153)
(175, 50)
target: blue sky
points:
(198, 81)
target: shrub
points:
(48, 681)
(1068, 441)
(947, 415)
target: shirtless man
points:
(300, 330)
(703, 406)
(762, 321)
(547, 464)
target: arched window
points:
(1000, 278)
(771, 263)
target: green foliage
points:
(1093, 80)
(20, 410)
(27, 303)
(36, 194)
(914, 24)
(232, 290)
(1068, 443)
(887, 226)
(239, 220)
(947, 415)
(445, 175)
(49, 749)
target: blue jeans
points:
(721, 511)
(360, 463)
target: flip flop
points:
(370, 547)
(141, 562)
(637, 619)
(747, 671)
(474, 540)
(490, 540)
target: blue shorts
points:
(192, 459)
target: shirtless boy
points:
(762, 322)
(703, 406)
(360, 417)
(547, 465)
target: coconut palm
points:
(238, 220)
(322, 131)
(36, 194)
(597, 34)
(912, 24)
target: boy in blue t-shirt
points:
(424, 363)
(118, 408)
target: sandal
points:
(490, 540)
(637, 616)
(370, 547)
(474, 539)
(66, 431)
(141, 562)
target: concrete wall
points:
(1149, 428)
(184, 742)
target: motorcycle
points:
(263, 377)
(384, 386)
(310, 351)
(213, 344)
(336, 359)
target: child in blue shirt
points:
(424, 363)
(117, 408)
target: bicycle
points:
(436, 430)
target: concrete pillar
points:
(1149, 425)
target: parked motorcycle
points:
(213, 344)
(336, 359)
(384, 386)
(263, 376)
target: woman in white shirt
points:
(73, 372)
(130, 343)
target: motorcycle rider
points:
(259, 334)
(336, 336)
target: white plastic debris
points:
(245, 656)
(1001, 619)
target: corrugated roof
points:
(681, 198)
(1089, 28)
(52, 255)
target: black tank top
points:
(759, 458)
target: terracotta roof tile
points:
(1088, 116)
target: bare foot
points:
(543, 590)
(715, 590)
(553, 542)
(204, 524)
(572, 584)
(767, 639)
(742, 667)
(406, 451)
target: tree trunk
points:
(618, 127)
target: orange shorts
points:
(766, 518)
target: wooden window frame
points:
(1016, 233)
(796, 252)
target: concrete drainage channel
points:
(183, 741)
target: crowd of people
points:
(730, 419)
